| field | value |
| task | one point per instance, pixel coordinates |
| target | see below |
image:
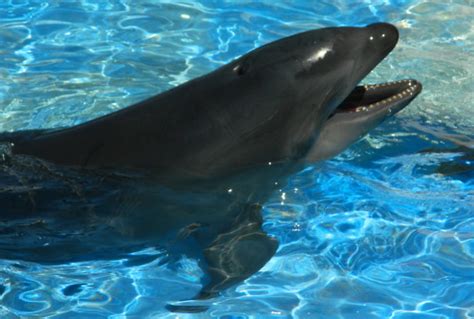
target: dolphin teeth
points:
(361, 109)
(392, 92)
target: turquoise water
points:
(385, 230)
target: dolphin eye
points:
(239, 70)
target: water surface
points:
(385, 230)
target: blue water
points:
(385, 230)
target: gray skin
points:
(270, 105)
(288, 103)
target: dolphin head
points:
(312, 81)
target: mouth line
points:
(373, 97)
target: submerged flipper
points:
(237, 254)
(233, 256)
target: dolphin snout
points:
(383, 34)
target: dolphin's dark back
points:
(197, 130)
(161, 133)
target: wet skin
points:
(193, 165)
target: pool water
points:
(384, 230)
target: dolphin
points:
(216, 146)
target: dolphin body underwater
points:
(188, 170)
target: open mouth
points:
(389, 95)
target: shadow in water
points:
(54, 214)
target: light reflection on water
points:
(377, 232)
